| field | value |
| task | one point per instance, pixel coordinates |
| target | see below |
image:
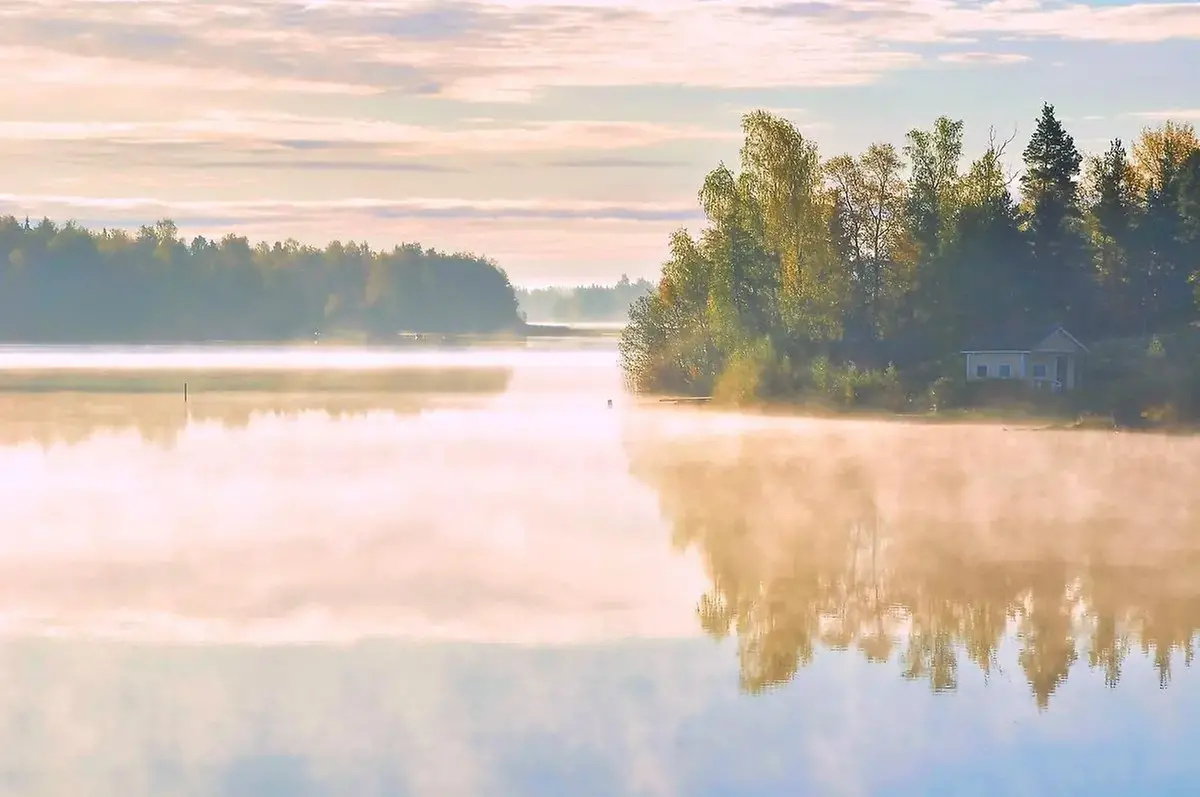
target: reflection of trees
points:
(929, 546)
(68, 407)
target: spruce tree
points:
(1051, 219)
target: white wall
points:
(993, 360)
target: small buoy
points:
(610, 404)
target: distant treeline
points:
(814, 273)
(584, 302)
(64, 283)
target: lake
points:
(459, 572)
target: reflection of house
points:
(1050, 359)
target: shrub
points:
(947, 393)
(747, 375)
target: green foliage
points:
(855, 281)
(1142, 380)
(947, 393)
(1051, 219)
(69, 284)
(746, 374)
(851, 387)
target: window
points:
(1039, 372)
(1005, 372)
(981, 371)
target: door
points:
(1060, 370)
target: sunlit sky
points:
(564, 139)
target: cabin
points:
(1050, 359)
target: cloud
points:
(618, 163)
(147, 208)
(839, 13)
(42, 71)
(511, 49)
(499, 50)
(224, 101)
(1133, 22)
(315, 165)
(1176, 114)
(983, 58)
(290, 132)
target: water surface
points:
(460, 572)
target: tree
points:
(871, 201)
(934, 183)
(988, 268)
(1189, 208)
(1160, 155)
(855, 282)
(934, 201)
(69, 284)
(785, 183)
(1051, 217)
(1112, 219)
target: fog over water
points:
(458, 571)
(466, 519)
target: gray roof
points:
(1018, 339)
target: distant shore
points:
(401, 339)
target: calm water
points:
(460, 573)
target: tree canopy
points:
(809, 267)
(65, 283)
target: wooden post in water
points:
(185, 392)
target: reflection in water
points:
(263, 521)
(466, 592)
(49, 406)
(929, 546)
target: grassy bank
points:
(1014, 417)
(1149, 382)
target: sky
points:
(564, 139)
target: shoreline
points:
(982, 416)
(402, 340)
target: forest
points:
(582, 303)
(857, 279)
(67, 284)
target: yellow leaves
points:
(905, 253)
(1160, 152)
(744, 375)
(666, 290)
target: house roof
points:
(1020, 339)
